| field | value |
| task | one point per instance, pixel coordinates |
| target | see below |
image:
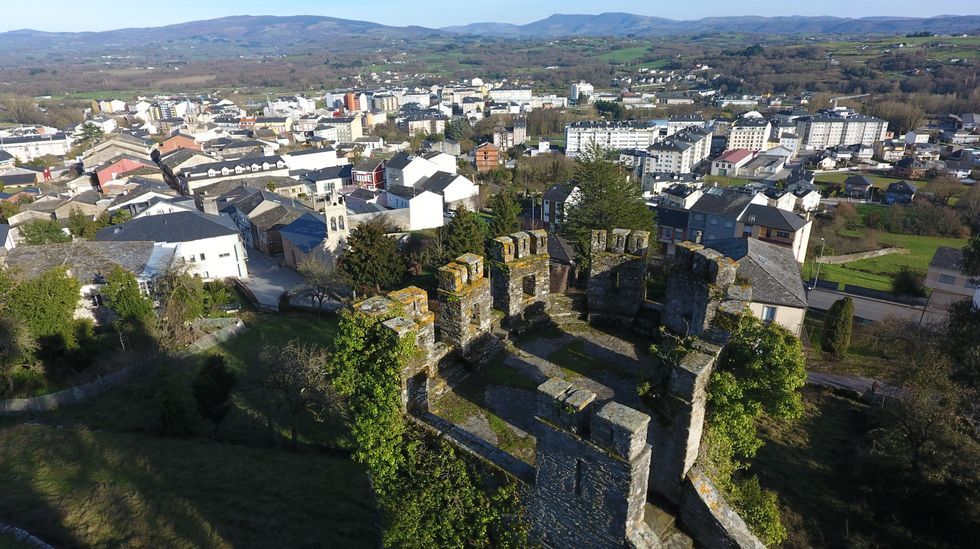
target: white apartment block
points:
(680, 153)
(579, 89)
(842, 127)
(511, 95)
(609, 135)
(28, 147)
(749, 132)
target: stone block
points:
(689, 378)
(638, 242)
(620, 429)
(414, 300)
(400, 326)
(617, 240)
(598, 241)
(453, 277)
(502, 248)
(684, 252)
(522, 244)
(374, 306)
(473, 264)
(539, 241)
(564, 405)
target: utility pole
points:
(823, 244)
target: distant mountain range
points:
(270, 34)
(625, 24)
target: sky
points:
(97, 15)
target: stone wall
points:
(520, 275)
(590, 487)
(464, 303)
(617, 274)
(700, 285)
(712, 522)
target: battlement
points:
(519, 245)
(464, 302)
(617, 275)
(702, 292)
(520, 273)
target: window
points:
(340, 222)
(947, 279)
(730, 224)
(768, 314)
(333, 223)
(668, 233)
(224, 255)
(698, 217)
(714, 221)
(782, 234)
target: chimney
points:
(209, 205)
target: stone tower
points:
(520, 274)
(617, 275)
(464, 302)
(592, 467)
(701, 286)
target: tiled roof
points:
(771, 269)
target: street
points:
(869, 308)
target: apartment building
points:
(610, 135)
(750, 131)
(841, 126)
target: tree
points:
(81, 225)
(837, 326)
(372, 262)
(465, 233)
(122, 294)
(171, 403)
(8, 210)
(292, 379)
(43, 231)
(908, 282)
(504, 214)
(607, 200)
(971, 257)
(182, 299)
(45, 304)
(319, 281)
(212, 389)
(89, 134)
(945, 188)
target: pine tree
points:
(504, 217)
(466, 233)
(837, 327)
(372, 262)
(607, 200)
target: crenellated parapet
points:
(702, 291)
(520, 274)
(617, 274)
(464, 302)
(592, 469)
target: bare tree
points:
(320, 280)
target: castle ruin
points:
(597, 468)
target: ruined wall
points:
(592, 466)
(701, 283)
(520, 276)
(617, 274)
(464, 303)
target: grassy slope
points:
(105, 480)
(876, 273)
(809, 464)
(77, 487)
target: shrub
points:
(170, 402)
(212, 389)
(909, 282)
(837, 327)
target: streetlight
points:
(823, 244)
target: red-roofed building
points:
(728, 164)
(179, 141)
(119, 167)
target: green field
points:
(725, 181)
(97, 475)
(876, 273)
(624, 55)
(839, 177)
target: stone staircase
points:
(663, 523)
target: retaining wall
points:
(847, 258)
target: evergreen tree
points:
(466, 233)
(837, 327)
(504, 217)
(607, 200)
(372, 262)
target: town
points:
(642, 310)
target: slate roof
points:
(175, 227)
(402, 191)
(5, 156)
(306, 232)
(399, 161)
(333, 172)
(559, 192)
(368, 164)
(87, 259)
(560, 250)
(771, 269)
(276, 217)
(771, 217)
(902, 187)
(4, 232)
(672, 217)
(438, 182)
(858, 181)
(722, 202)
(947, 258)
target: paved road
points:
(869, 308)
(268, 280)
(854, 383)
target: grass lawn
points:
(77, 487)
(624, 55)
(860, 359)
(809, 463)
(876, 273)
(839, 177)
(97, 474)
